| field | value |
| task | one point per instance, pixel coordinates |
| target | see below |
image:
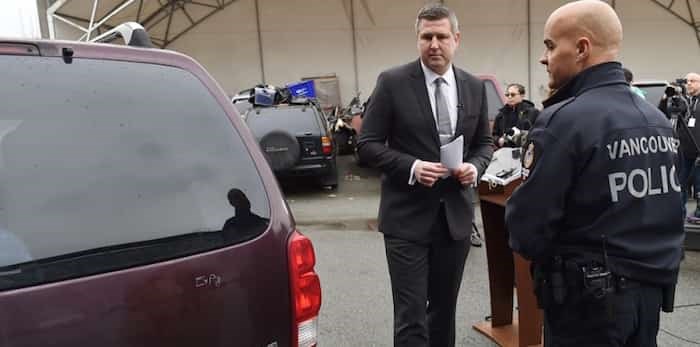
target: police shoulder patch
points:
(529, 156)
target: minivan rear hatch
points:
(131, 211)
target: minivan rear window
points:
(106, 165)
(297, 120)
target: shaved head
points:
(592, 19)
(693, 85)
(586, 32)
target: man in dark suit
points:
(426, 210)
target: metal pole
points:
(49, 16)
(107, 17)
(692, 21)
(354, 46)
(171, 14)
(74, 25)
(92, 19)
(260, 43)
(138, 14)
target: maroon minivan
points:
(136, 209)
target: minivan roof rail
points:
(133, 34)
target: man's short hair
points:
(437, 11)
(628, 74)
(520, 87)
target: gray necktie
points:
(442, 113)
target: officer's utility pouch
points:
(598, 287)
(549, 283)
(597, 282)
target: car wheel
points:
(281, 149)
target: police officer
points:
(597, 212)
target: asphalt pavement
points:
(357, 308)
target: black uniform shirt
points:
(600, 161)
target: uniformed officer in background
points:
(598, 211)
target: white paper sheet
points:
(451, 153)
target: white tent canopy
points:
(19, 18)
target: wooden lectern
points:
(507, 269)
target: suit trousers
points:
(425, 281)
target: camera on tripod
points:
(675, 99)
(676, 89)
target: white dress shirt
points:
(449, 89)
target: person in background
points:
(514, 119)
(629, 77)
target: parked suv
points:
(296, 140)
(136, 208)
(242, 101)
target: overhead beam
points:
(138, 13)
(68, 22)
(167, 11)
(170, 19)
(187, 14)
(92, 19)
(116, 7)
(354, 46)
(260, 43)
(691, 22)
(84, 20)
(109, 15)
(49, 16)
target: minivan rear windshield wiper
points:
(112, 258)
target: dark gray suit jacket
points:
(398, 128)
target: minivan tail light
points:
(305, 290)
(18, 49)
(326, 145)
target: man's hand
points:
(427, 173)
(466, 174)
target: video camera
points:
(676, 103)
(677, 88)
